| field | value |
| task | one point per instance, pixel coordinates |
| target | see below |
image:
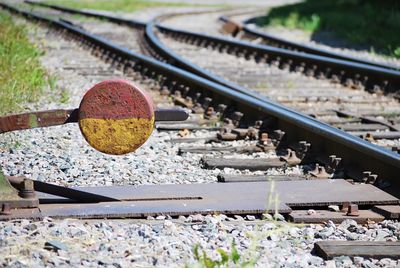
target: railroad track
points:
(323, 152)
(251, 33)
(322, 100)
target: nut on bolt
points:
(5, 209)
(353, 210)
(27, 189)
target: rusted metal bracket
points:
(10, 198)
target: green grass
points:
(367, 23)
(21, 76)
(64, 96)
(226, 259)
(116, 5)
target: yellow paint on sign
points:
(116, 136)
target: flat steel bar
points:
(231, 198)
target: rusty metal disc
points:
(116, 117)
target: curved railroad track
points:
(256, 140)
(374, 118)
(252, 33)
(300, 136)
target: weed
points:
(64, 96)
(52, 81)
(251, 255)
(118, 5)
(396, 52)
(21, 76)
(226, 259)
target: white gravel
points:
(170, 243)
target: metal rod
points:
(37, 119)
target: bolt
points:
(353, 210)
(27, 190)
(5, 209)
(345, 206)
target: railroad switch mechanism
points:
(115, 117)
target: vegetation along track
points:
(306, 140)
(373, 117)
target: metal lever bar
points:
(170, 115)
(37, 119)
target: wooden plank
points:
(378, 135)
(321, 216)
(250, 178)
(368, 249)
(225, 149)
(389, 212)
(180, 126)
(361, 127)
(242, 164)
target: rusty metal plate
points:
(10, 198)
(151, 200)
(331, 192)
(302, 216)
(116, 117)
(231, 198)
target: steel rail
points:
(162, 51)
(388, 80)
(372, 77)
(283, 43)
(325, 140)
(174, 59)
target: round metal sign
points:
(116, 117)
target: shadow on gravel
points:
(356, 24)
